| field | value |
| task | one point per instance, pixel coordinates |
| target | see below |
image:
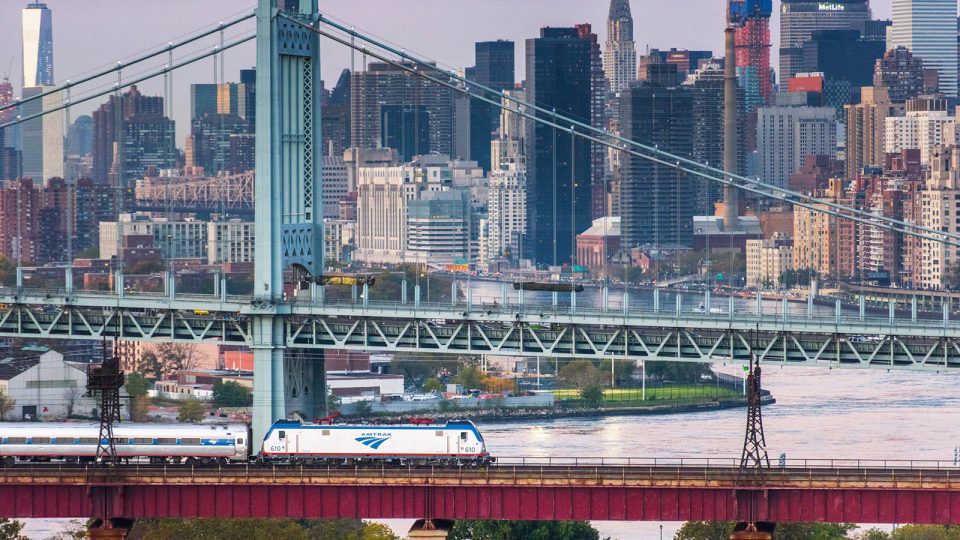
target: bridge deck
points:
(502, 492)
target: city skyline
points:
(423, 31)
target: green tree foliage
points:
(136, 385)
(231, 394)
(10, 529)
(191, 411)
(794, 278)
(471, 377)
(728, 264)
(139, 408)
(522, 530)
(433, 384)
(257, 529)
(925, 532)
(622, 370)
(813, 531)
(703, 530)
(592, 393)
(677, 371)
(6, 404)
(580, 374)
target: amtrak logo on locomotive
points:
(373, 440)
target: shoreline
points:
(557, 413)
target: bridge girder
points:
(451, 330)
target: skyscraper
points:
(800, 18)
(929, 29)
(620, 53)
(559, 76)
(751, 18)
(113, 115)
(37, 30)
(599, 89)
(383, 84)
(901, 72)
(656, 201)
(494, 68)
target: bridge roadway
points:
(897, 493)
(515, 329)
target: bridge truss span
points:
(628, 340)
(510, 330)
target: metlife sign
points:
(830, 6)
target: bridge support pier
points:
(432, 529)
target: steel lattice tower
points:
(754, 460)
(106, 379)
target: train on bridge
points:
(287, 441)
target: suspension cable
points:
(138, 80)
(735, 180)
(123, 65)
(665, 158)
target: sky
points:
(93, 34)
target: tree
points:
(363, 408)
(704, 530)
(174, 357)
(10, 529)
(469, 529)
(813, 531)
(471, 377)
(433, 384)
(70, 397)
(191, 411)
(258, 529)
(6, 404)
(231, 394)
(926, 532)
(873, 534)
(685, 372)
(622, 370)
(592, 394)
(580, 373)
(136, 385)
(794, 278)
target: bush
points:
(231, 394)
(191, 411)
(592, 393)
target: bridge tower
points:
(288, 205)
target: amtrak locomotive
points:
(287, 441)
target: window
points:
(282, 434)
(142, 440)
(65, 440)
(88, 440)
(17, 440)
(463, 435)
(166, 440)
(240, 440)
(439, 433)
(189, 441)
(325, 432)
(40, 440)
